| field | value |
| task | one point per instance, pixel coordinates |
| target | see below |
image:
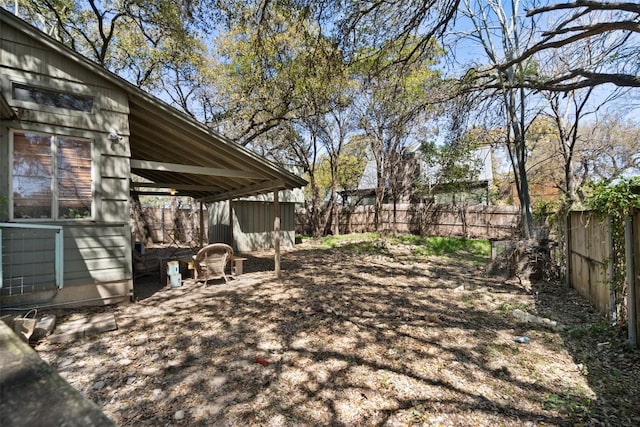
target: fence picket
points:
(488, 222)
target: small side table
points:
(237, 269)
(188, 262)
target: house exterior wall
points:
(252, 224)
(97, 251)
(415, 169)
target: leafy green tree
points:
(354, 24)
(395, 103)
(352, 163)
(288, 95)
(545, 165)
(452, 165)
(610, 148)
(136, 39)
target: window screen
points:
(51, 177)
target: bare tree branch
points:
(562, 83)
(591, 30)
(589, 4)
(625, 24)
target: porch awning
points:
(172, 150)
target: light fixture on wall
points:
(113, 136)
(172, 191)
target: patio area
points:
(354, 337)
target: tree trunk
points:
(380, 188)
(525, 205)
(378, 206)
(334, 197)
(395, 216)
(314, 214)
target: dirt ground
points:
(355, 337)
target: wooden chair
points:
(211, 261)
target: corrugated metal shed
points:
(171, 149)
(252, 226)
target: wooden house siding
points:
(4, 171)
(252, 225)
(27, 55)
(96, 251)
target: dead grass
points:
(351, 337)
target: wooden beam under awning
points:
(193, 187)
(192, 169)
(253, 189)
(152, 193)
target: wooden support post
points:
(636, 269)
(173, 237)
(231, 242)
(201, 237)
(613, 302)
(276, 231)
(162, 226)
(631, 282)
(567, 249)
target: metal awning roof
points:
(172, 150)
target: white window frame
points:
(54, 182)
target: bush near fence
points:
(486, 222)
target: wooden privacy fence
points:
(632, 236)
(487, 222)
(169, 226)
(590, 266)
(589, 249)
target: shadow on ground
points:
(347, 338)
(602, 355)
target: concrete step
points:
(84, 327)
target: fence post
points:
(162, 219)
(231, 236)
(613, 306)
(636, 267)
(201, 219)
(567, 249)
(631, 283)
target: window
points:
(52, 98)
(51, 177)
